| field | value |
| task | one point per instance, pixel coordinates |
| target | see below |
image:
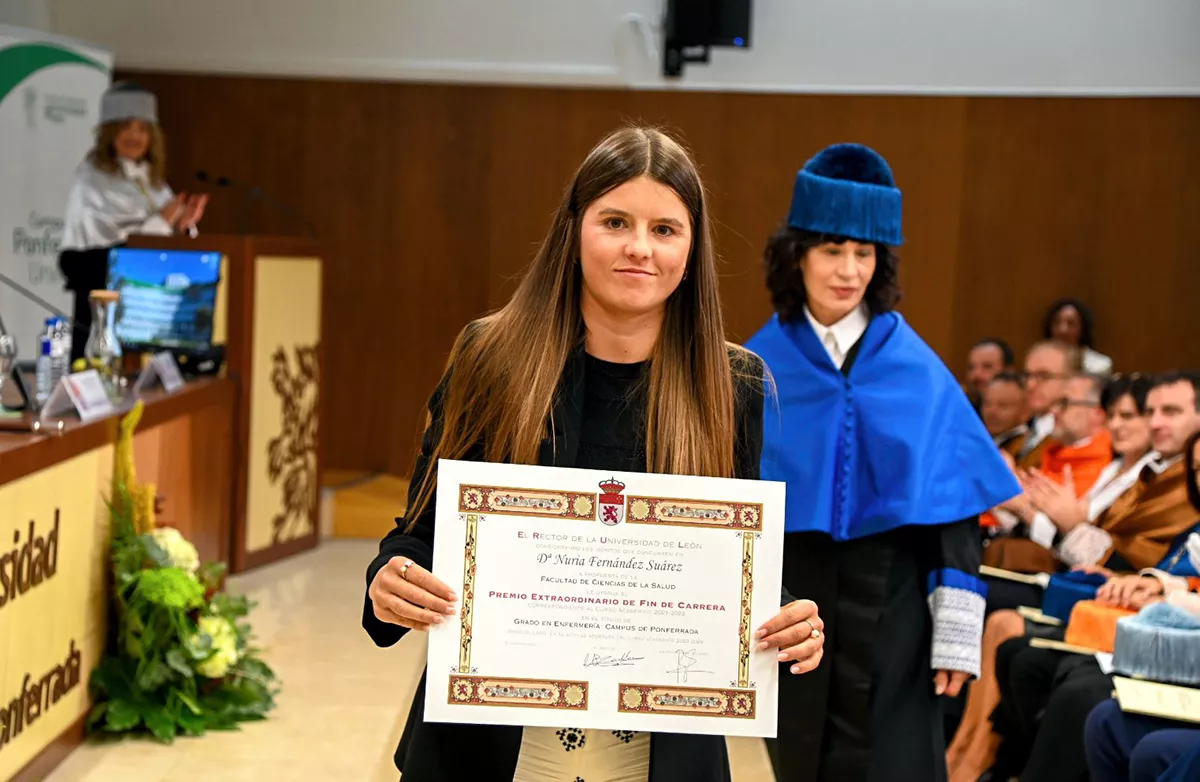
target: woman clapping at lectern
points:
(120, 189)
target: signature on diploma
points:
(609, 661)
(685, 662)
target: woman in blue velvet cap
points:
(887, 468)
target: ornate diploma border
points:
(576, 506)
(468, 688)
(689, 701)
(695, 513)
(526, 693)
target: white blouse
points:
(103, 209)
(841, 336)
(1096, 363)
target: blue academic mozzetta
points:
(168, 297)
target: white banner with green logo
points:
(50, 92)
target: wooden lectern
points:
(269, 317)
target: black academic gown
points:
(869, 712)
(445, 752)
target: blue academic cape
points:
(893, 443)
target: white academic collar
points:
(1160, 465)
(1085, 442)
(134, 170)
(846, 331)
(1043, 426)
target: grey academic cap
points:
(127, 100)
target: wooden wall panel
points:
(1090, 198)
(433, 198)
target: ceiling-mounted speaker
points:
(692, 27)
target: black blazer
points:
(447, 752)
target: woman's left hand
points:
(193, 211)
(798, 632)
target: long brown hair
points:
(104, 154)
(504, 372)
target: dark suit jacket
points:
(444, 752)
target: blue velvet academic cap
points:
(848, 190)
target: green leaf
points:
(255, 668)
(170, 587)
(193, 724)
(177, 661)
(160, 723)
(154, 552)
(96, 715)
(190, 702)
(212, 573)
(231, 606)
(153, 674)
(122, 716)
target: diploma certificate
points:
(624, 601)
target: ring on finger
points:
(815, 632)
(404, 569)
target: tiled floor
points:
(340, 713)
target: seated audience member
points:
(1123, 747)
(1070, 321)
(1005, 411)
(988, 358)
(1185, 769)
(975, 745)
(1080, 450)
(1135, 532)
(1142, 522)
(1046, 695)
(1047, 367)
(1161, 643)
(1124, 401)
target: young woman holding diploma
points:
(611, 355)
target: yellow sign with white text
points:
(53, 584)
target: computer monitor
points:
(168, 297)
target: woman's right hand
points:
(174, 209)
(1129, 591)
(406, 594)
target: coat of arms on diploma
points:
(612, 502)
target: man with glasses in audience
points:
(1047, 367)
(1077, 452)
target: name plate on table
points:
(622, 602)
(162, 370)
(83, 393)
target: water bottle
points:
(44, 386)
(60, 354)
(64, 335)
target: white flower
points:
(224, 646)
(180, 552)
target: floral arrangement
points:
(178, 658)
